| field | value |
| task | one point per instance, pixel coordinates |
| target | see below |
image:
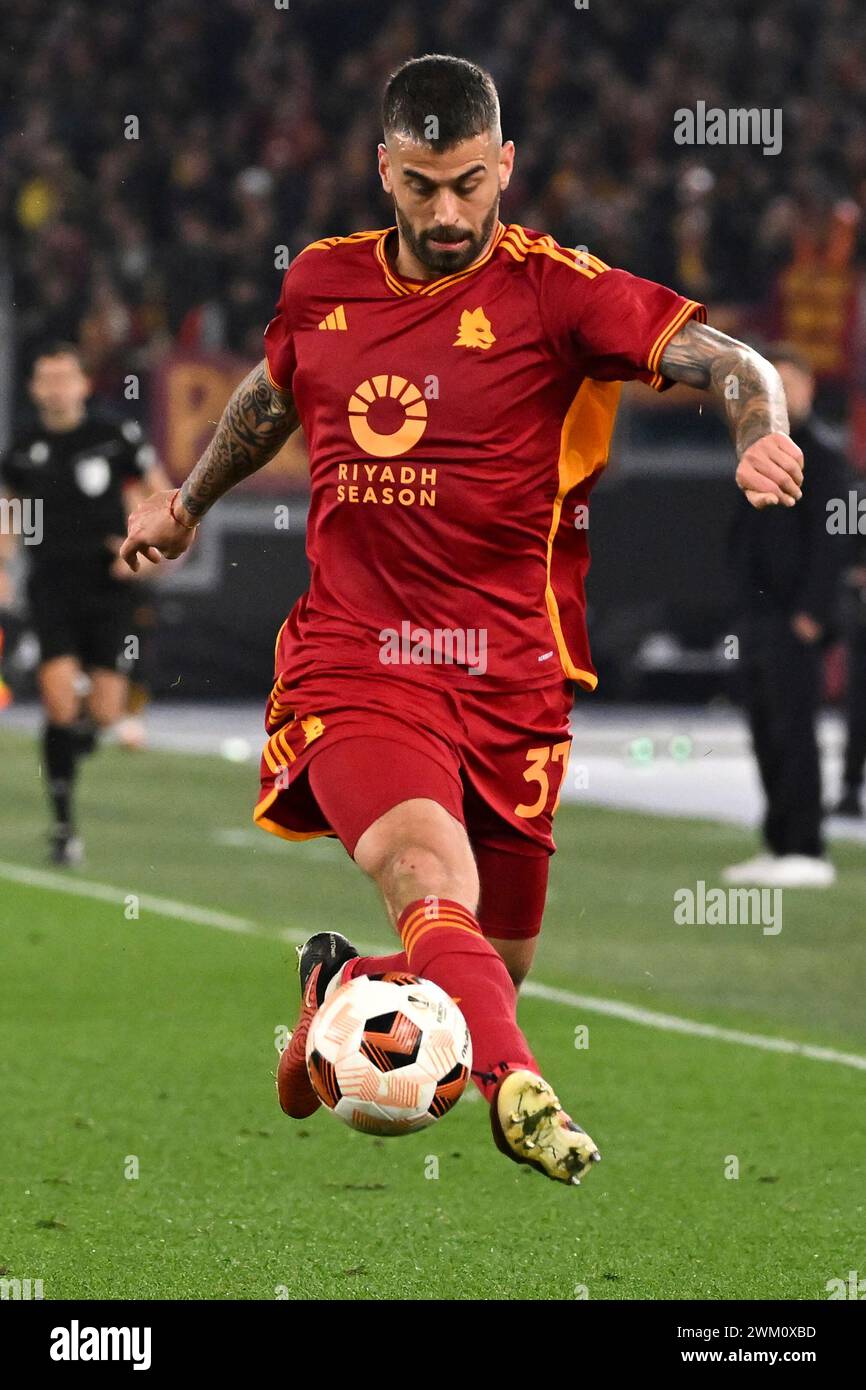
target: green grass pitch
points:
(150, 1042)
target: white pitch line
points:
(611, 1008)
(670, 1023)
(160, 907)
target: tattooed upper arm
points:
(748, 385)
(697, 351)
(255, 424)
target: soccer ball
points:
(389, 1054)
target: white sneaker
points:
(782, 871)
(801, 871)
(750, 870)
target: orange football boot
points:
(319, 960)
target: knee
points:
(418, 861)
(416, 870)
(431, 869)
(415, 850)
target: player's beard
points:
(447, 262)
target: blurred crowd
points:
(152, 156)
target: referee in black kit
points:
(75, 473)
(786, 568)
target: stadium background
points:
(149, 1033)
(255, 129)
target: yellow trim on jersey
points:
(592, 260)
(326, 243)
(277, 642)
(433, 286)
(519, 250)
(270, 376)
(266, 823)
(583, 449)
(691, 309)
(522, 238)
(513, 239)
(436, 286)
(519, 245)
(393, 283)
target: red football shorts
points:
(359, 744)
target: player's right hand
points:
(771, 471)
(153, 532)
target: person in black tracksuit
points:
(787, 566)
(855, 641)
(72, 476)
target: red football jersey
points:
(455, 428)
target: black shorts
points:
(90, 623)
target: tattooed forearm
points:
(255, 424)
(749, 387)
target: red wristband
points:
(185, 526)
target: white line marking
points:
(611, 1008)
(161, 907)
(670, 1023)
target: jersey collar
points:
(398, 285)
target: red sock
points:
(374, 965)
(444, 943)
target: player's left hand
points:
(119, 569)
(154, 533)
(770, 472)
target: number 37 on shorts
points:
(545, 768)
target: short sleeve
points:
(279, 342)
(613, 325)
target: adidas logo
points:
(336, 319)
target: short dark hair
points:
(459, 95)
(58, 348)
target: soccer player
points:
(456, 379)
(71, 478)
